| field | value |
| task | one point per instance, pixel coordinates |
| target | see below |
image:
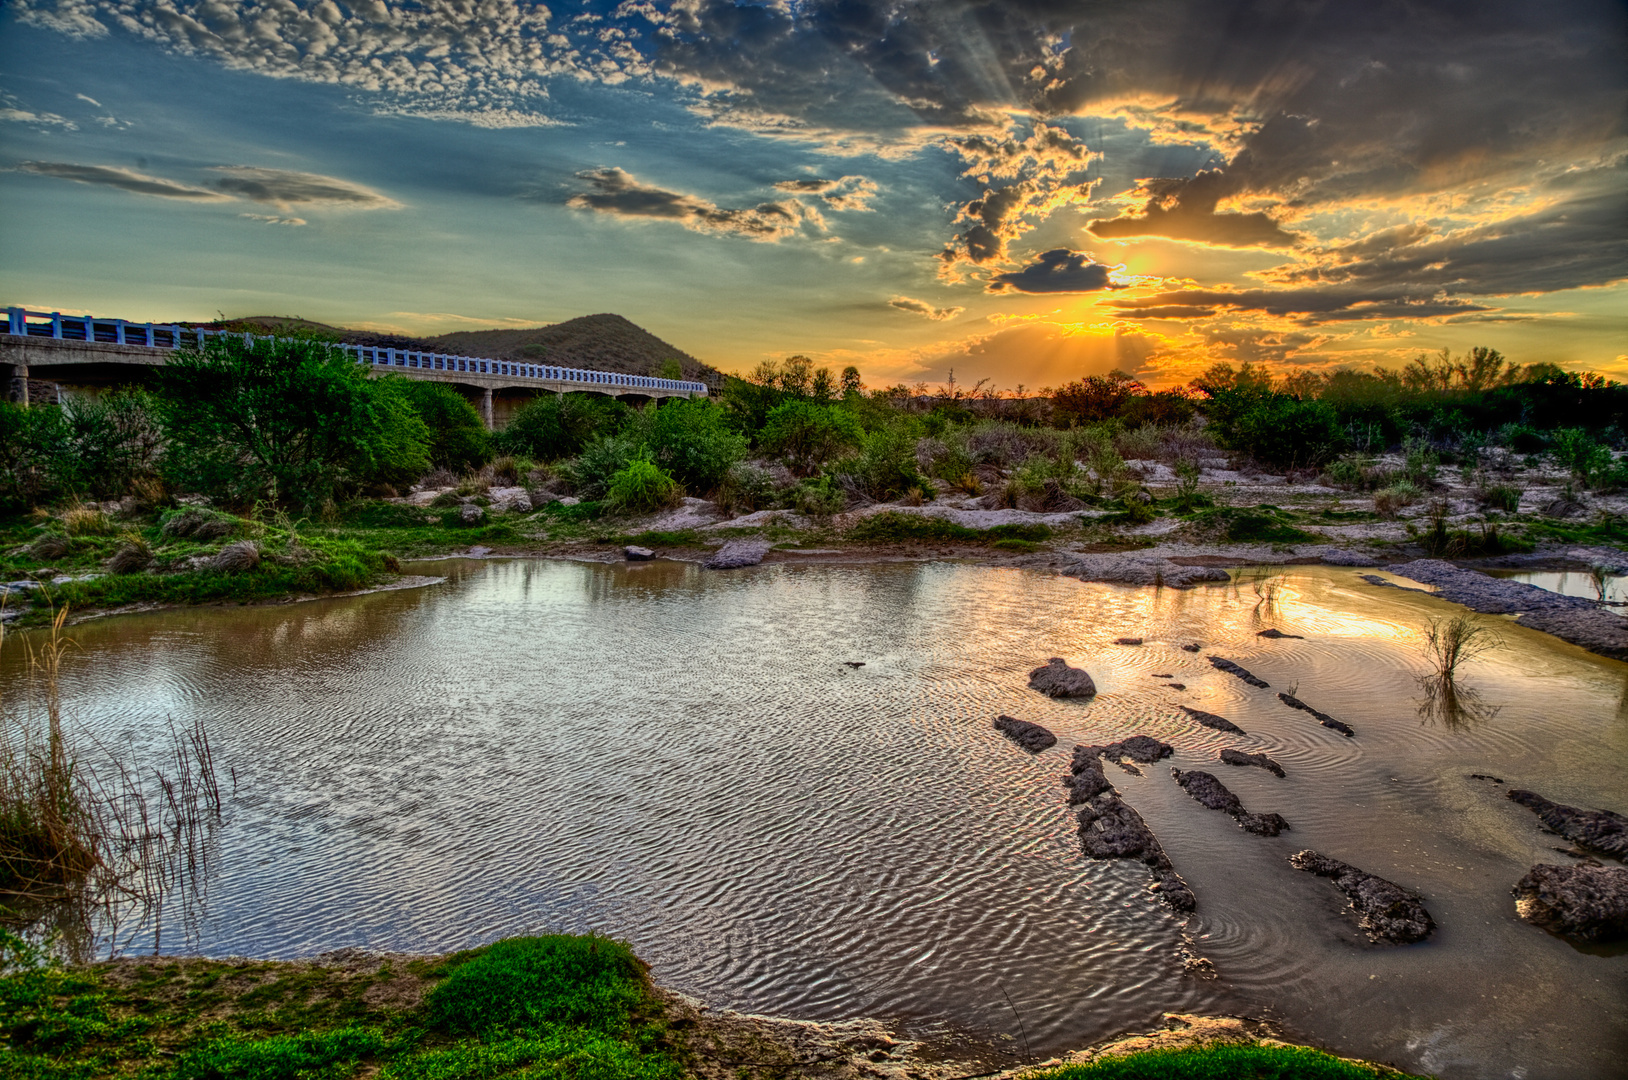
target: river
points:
(685, 760)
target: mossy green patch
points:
(1233, 1061)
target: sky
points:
(1022, 191)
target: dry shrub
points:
(196, 523)
(236, 558)
(100, 834)
(1449, 642)
(1388, 502)
(505, 470)
(86, 521)
(49, 546)
(1139, 444)
(438, 478)
(132, 557)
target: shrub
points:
(458, 439)
(691, 440)
(641, 486)
(885, 467)
(745, 488)
(555, 426)
(808, 435)
(1278, 429)
(197, 523)
(524, 984)
(599, 462)
(1586, 458)
(819, 498)
(1505, 497)
(1389, 501)
(283, 420)
(890, 526)
(1522, 438)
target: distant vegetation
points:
(289, 439)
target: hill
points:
(599, 342)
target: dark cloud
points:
(1022, 182)
(123, 179)
(847, 193)
(923, 308)
(1309, 305)
(617, 192)
(1057, 271)
(280, 187)
(1185, 210)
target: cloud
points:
(284, 189)
(93, 101)
(922, 307)
(123, 179)
(1057, 271)
(848, 193)
(1309, 305)
(27, 116)
(1022, 182)
(617, 192)
(1185, 209)
(274, 219)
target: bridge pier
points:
(486, 406)
(17, 384)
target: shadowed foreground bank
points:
(558, 1006)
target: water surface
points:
(682, 759)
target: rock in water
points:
(1598, 829)
(1109, 829)
(738, 553)
(1210, 720)
(1210, 792)
(1233, 669)
(1322, 717)
(1274, 633)
(1230, 756)
(1032, 737)
(1057, 680)
(634, 553)
(1589, 903)
(1384, 909)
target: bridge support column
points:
(17, 384)
(486, 407)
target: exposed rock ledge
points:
(1570, 618)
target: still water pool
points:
(682, 759)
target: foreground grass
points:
(559, 1006)
(543, 1008)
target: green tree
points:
(458, 438)
(851, 386)
(670, 369)
(294, 421)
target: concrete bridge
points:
(86, 354)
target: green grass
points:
(1242, 1061)
(1261, 525)
(561, 1008)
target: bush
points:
(745, 488)
(592, 471)
(1505, 497)
(1586, 458)
(692, 442)
(1278, 429)
(808, 435)
(98, 446)
(1389, 501)
(458, 439)
(286, 420)
(555, 426)
(885, 467)
(522, 985)
(641, 487)
(819, 498)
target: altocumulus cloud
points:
(617, 192)
(123, 179)
(1056, 271)
(848, 193)
(923, 308)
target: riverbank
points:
(538, 1007)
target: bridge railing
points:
(54, 324)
